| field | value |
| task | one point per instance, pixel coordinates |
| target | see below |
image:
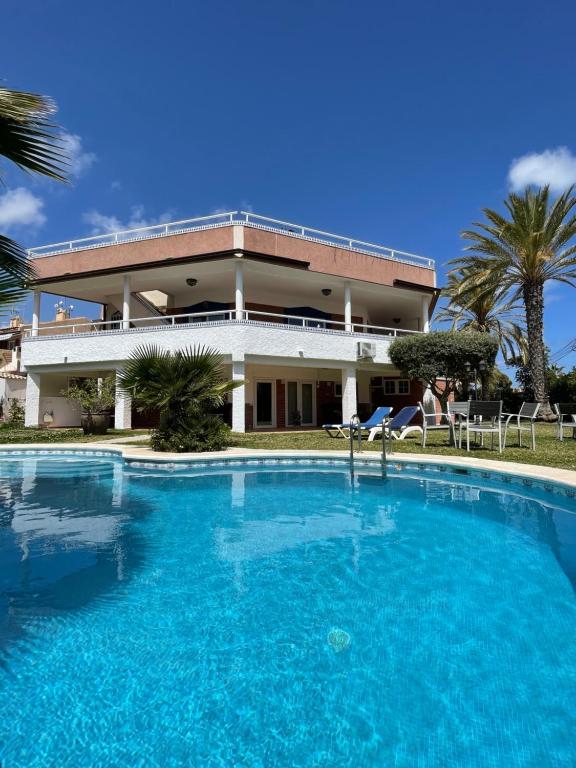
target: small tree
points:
(96, 398)
(439, 358)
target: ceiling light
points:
(326, 291)
(191, 281)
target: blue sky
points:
(389, 121)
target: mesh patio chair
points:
(566, 419)
(458, 413)
(523, 421)
(430, 422)
(485, 418)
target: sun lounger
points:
(337, 430)
(398, 427)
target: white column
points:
(123, 409)
(239, 289)
(238, 398)
(36, 312)
(347, 307)
(32, 412)
(349, 400)
(126, 303)
(425, 321)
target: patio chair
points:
(566, 419)
(485, 418)
(528, 412)
(458, 413)
(430, 422)
(398, 427)
(381, 413)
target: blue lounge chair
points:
(398, 427)
(377, 417)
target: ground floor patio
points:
(273, 397)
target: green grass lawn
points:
(9, 434)
(549, 450)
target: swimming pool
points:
(286, 615)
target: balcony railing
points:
(221, 317)
(243, 218)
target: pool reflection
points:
(65, 539)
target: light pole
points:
(481, 367)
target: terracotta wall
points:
(322, 258)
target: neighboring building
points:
(12, 376)
(12, 380)
(304, 317)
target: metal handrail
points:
(222, 315)
(229, 218)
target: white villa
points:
(303, 316)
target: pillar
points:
(126, 303)
(36, 312)
(238, 397)
(123, 408)
(425, 321)
(347, 307)
(32, 409)
(349, 398)
(239, 289)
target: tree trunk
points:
(533, 294)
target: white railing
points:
(226, 316)
(227, 219)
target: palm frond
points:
(28, 137)
(16, 271)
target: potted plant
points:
(96, 398)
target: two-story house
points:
(304, 317)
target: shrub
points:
(15, 416)
(186, 387)
(205, 433)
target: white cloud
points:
(102, 224)
(20, 208)
(79, 161)
(556, 167)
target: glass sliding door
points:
(300, 404)
(265, 410)
(307, 398)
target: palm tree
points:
(30, 140)
(516, 255)
(186, 387)
(476, 310)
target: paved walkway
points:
(140, 452)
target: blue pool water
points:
(285, 617)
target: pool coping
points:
(144, 455)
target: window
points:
(389, 387)
(403, 387)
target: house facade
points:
(305, 318)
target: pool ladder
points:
(354, 427)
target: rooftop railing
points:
(227, 219)
(201, 319)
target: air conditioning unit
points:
(366, 350)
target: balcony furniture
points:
(523, 421)
(458, 414)
(381, 413)
(430, 422)
(398, 427)
(566, 419)
(485, 418)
